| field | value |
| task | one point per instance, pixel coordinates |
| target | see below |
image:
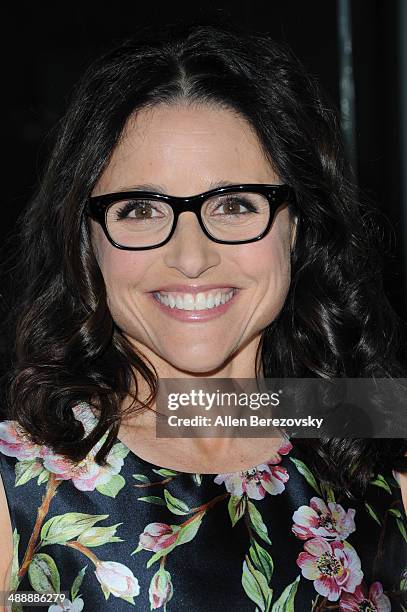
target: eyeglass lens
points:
(140, 222)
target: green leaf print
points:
(14, 581)
(261, 560)
(236, 507)
(372, 513)
(381, 482)
(189, 530)
(105, 591)
(176, 506)
(395, 512)
(119, 450)
(59, 529)
(255, 586)
(257, 522)
(26, 469)
(111, 488)
(327, 492)
(285, 603)
(96, 536)
(76, 585)
(402, 529)
(308, 475)
(153, 499)
(403, 583)
(141, 477)
(43, 477)
(186, 533)
(43, 574)
(165, 472)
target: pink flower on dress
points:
(117, 579)
(86, 475)
(333, 566)
(260, 480)
(284, 449)
(257, 482)
(361, 600)
(13, 443)
(157, 536)
(327, 521)
(161, 590)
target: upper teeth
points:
(200, 301)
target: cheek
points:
(124, 275)
(268, 264)
(123, 272)
(279, 268)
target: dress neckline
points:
(84, 413)
(274, 458)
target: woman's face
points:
(183, 150)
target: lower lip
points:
(196, 315)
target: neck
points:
(241, 364)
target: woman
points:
(279, 276)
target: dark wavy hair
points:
(336, 321)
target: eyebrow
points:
(161, 190)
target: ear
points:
(293, 231)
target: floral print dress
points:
(133, 535)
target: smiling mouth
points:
(191, 302)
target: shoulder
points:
(402, 480)
(6, 529)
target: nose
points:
(189, 250)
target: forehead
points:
(185, 149)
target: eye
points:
(138, 210)
(234, 205)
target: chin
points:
(196, 364)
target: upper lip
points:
(190, 288)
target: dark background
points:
(49, 46)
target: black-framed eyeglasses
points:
(236, 214)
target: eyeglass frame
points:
(276, 195)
